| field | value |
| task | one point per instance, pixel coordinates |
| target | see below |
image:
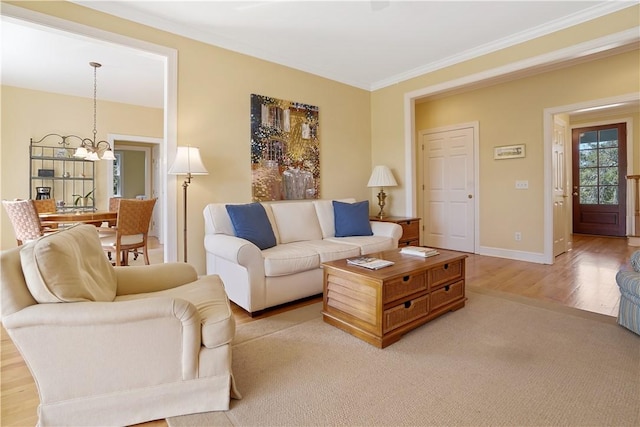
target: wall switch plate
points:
(522, 185)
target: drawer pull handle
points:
(407, 304)
(446, 288)
(446, 266)
(406, 278)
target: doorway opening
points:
(168, 57)
(138, 174)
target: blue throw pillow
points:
(352, 219)
(250, 222)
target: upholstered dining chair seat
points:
(110, 239)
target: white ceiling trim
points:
(591, 47)
(548, 28)
(585, 15)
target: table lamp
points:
(187, 162)
(381, 177)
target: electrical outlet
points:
(518, 236)
(522, 185)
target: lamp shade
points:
(81, 152)
(108, 155)
(188, 161)
(382, 177)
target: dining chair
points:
(44, 206)
(114, 202)
(25, 220)
(131, 231)
(110, 228)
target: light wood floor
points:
(583, 278)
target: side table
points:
(410, 229)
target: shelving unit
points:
(54, 167)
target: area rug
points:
(496, 362)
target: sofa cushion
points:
(250, 222)
(324, 210)
(289, 258)
(88, 276)
(367, 244)
(329, 250)
(216, 219)
(296, 221)
(352, 219)
(208, 295)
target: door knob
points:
(470, 196)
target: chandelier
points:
(89, 148)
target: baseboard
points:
(536, 257)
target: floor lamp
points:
(187, 162)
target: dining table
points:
(79, 217)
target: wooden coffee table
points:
(379, 306)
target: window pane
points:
(609, 195)
(608, 138)
(588, 196)
(588, 177)
(608, 157)
(588, 140)
(588, 158)
(608, 176)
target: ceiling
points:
(366, 44)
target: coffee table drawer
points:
(447, 294)
(405, 313)
(404, 286)
(445, 273)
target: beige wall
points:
(512, 113)
(134, 168)
(32, 114)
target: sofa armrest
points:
(388, 229)
(628, 281)
(236, 250)
(95, 346)
(151, 278)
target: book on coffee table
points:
(419, 251)
(369, 262)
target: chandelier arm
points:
(97, 145)
(63, 139)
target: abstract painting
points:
(285, 150)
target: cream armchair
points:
(115, 346)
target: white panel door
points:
(448, 189)
(560, 239)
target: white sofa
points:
(305, 238)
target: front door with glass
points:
(599, 180)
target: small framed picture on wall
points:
(509, 152)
